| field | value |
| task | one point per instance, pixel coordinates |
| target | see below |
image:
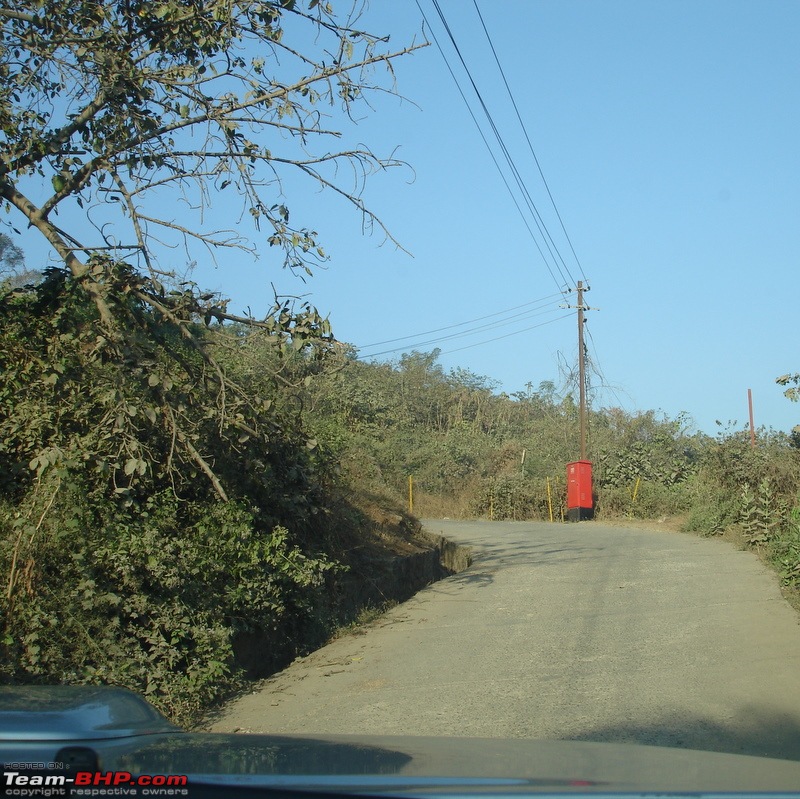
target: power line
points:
(555, 256)
(546, 236)
(547, 239)
(597, 368)
(514, 170)
(489, 326)
(527, 137)
(460, 324)
(489, 147)
(507, 335)
(477, 343)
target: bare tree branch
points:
(79, 270)
(115, 104)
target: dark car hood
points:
(421, 765)
(124, 733)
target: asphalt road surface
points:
(562, 631)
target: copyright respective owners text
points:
(53, 779)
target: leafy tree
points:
(793, 381)
(127, 407)
(108, 106)
(642, 446)
(792, 393)
(13, 273)
(118, 563)
(12, 258)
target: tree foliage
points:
(112, 103)
(12, 259)
(131, 401)
(123, 110)
(119, 563)
(13, 272)
(793, 381)
(463, 442)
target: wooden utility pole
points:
(582, 369)
(581, 364)
(580, 495)
(752, 425)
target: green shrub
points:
(645, 500)
(147, 597)
(785, 550)
(512, 497)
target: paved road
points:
(572, 632)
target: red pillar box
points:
(580, 504)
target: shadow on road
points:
(752, 731)
(489, 559)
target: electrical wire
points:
(512, 165)
(459, 324)
(507, 335)
(481, 328)
(599, 370)
(556, 258)
(546, 238)
(489, 148)
(478, 343)
(527, 137)
(550, 244)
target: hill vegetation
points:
(124, 562)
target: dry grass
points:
(673, 524)
(436, 506)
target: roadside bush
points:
(120, 561)
(785, 550)
(147, 598)
(614, 501)
(512, 497)
(711, 515)
(753, 488)
(648, 501)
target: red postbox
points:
(580, 504)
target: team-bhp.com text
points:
(89, 783)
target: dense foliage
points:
(123, 564)
(463, 445)
(113, 114)
(159, 495)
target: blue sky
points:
(668, 134)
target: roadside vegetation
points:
(165, 513)
(474, 452)
(462, 442)
(122, 563)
